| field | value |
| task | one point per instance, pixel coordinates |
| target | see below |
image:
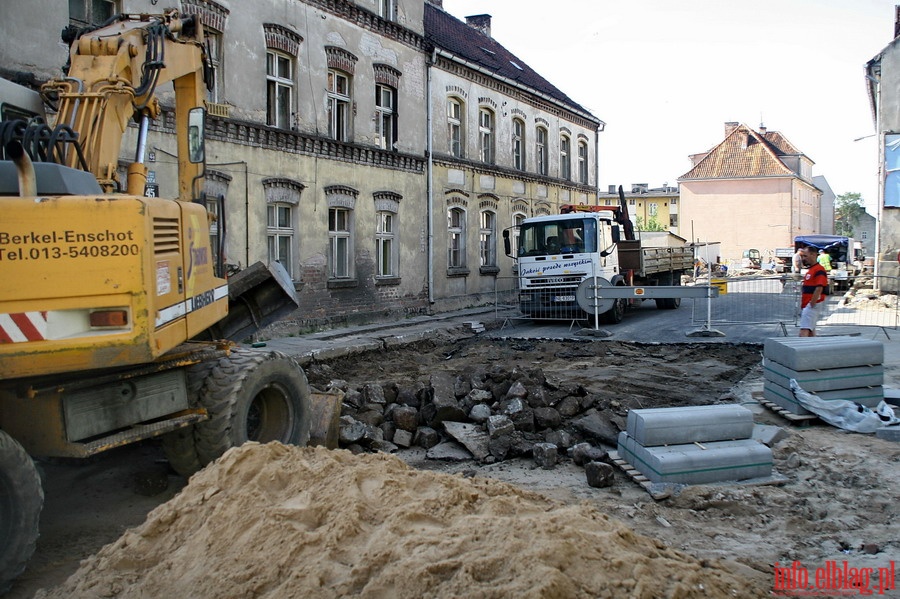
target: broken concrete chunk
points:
(405, 418)
(352, 430)
(599, 474)
(545, 455)
(426, 437)
(480, 413)
(499, 425)
(471, 437)
(403, 438)
(584, 453)
(448, 451)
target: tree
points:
(652, 225)
(848, 208)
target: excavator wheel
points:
(21, 500)
(250, 395)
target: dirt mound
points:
(271, 521)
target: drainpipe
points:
(429, 211)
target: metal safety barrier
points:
(869, 302)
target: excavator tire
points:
(180, 446)
(249, 395)
(21, 500)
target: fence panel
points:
(776, 300)
(750, 300)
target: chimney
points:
(730, 126)
(612, 190)
(762, 129)
(480, 22)
(896, 21)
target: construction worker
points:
(815, 282)
(825, 260)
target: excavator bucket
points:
(257, 296)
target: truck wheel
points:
(21, 500)
(180, 446)
(615, 314)
(250, 396)
(670, 303)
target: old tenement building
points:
(378, 204)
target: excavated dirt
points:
(270, 521)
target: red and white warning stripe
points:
(23, 326)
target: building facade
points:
(322, 155)
(753, 190)
(653, 209)
(883, 83)
(505, 145)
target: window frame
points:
(275, 84)
(386, 236)
(456, 232)
(339, 103)
(277, 233)
(486, 134)
(565, 157)
(518, 144)
(89, 12)
(487, 236)
(387, 10)
(340, 238)
(583, 175)
(541, 150)
(385, 117)
(456, 127)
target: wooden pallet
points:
(660, 491)
(798, 419)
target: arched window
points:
(540, 150)
(456, 127)
(518, 144)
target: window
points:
(540, 151)
(673, 220)
(280, 86)
(863, 235)
(486, 135)
(338, 105)
(214, 52)
(385, 117)
(455, 127)
(582, 163)
(83, 13)
(488, 238)
(339, 243)
(652, 208)
(456, 227)
(385, 246)
(280, 233)
(386, 9)
(518, 144)
(565, 158)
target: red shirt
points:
(815, 277)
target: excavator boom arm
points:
(113, 76)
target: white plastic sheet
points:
(845, 414)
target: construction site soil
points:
(272, 521)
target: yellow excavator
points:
(117, 323)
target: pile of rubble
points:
(488, 416)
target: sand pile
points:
(271, 521)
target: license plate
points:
(563, 298)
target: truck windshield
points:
(568, 236)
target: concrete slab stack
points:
(833, 368)
(694, 445)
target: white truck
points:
(556, 253)
(846, 256)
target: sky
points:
(665, 76)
